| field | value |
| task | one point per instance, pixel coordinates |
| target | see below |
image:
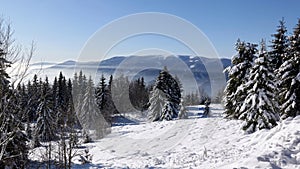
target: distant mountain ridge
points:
(197, 66)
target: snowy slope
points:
(198, 143)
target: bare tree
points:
(13, 150)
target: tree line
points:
(264, 85)
(39, 112)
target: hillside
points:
(197, 143)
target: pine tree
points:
(279, 46)
(169, 86)
(100, 93)
(13, 148)
(143, 95)
(4, 64)
(89, 106)
(157, 103)
(75, 89)
(238, 74)
(33, 96)
(138, 94)
(120, 94)
(79, 88)
(92, 118)
(62, 101)
(23, 97)
(110, 82)
(182, 106)
(194, 98)
(72, 120)
(104, 101)
(260, 109)
(55, 97)
(45, 127)
(288, 73)
(166, 90)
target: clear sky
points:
(60, 28)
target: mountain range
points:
(192, 71)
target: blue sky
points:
(60, 28)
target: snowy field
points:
(206, 143)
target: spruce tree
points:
(120, 94)
(167, 91)
(71, 115)
(279, 46)
(4, 64)
(13, 148)
(238, 74)
(89, 106)
(75, 89)
(104, 101)
(45, 126)
(138, 94)
(260, 109)
(33, 96)
(288, 73)
(62, 101)
(157, 102)
(79, 88)
(92, 118)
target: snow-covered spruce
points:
(165, 97)
(13, 148)
(238, 75)
(91, 117)
(260, 108)
(157, 101)
(45, 126)
(104, 100)
(288, 75)
(279, 47)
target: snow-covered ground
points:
(196, 142)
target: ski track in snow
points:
(205, 143)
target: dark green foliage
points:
(261, 91)
(33, 95)
(138, 94)
(192, 99)
(279, 47)
(260, 108)
(4, 64)
(45, 126)
(166, 83)
(104, 101)
(72, 120)
(165, 97)
(238, 75)
(12, 139)
(78, 92)
(120, 92)
(288, 74)
(13, 148)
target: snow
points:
(211, 142)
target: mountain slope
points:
(198, 143)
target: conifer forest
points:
(151, 119)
